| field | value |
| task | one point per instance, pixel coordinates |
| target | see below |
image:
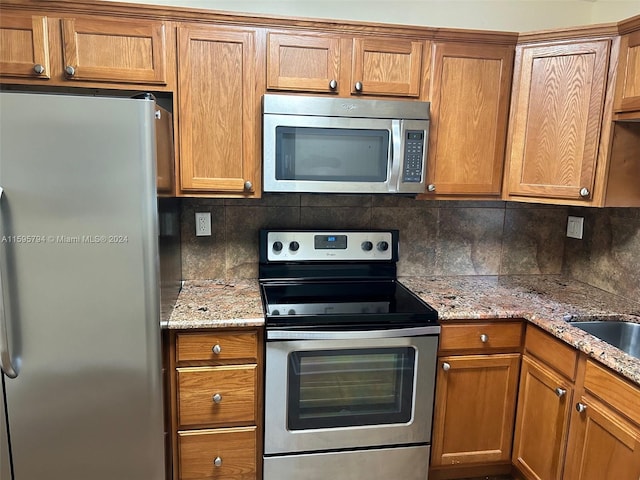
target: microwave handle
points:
(396, 155)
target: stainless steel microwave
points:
(344, 145)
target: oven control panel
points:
(300, 246)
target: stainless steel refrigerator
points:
(81, 240)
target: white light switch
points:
(575, 227)
(203, 224)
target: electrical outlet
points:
(575, 227)
(203, 224)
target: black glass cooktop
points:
(364, 303)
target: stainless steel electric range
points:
(350, 359)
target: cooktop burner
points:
(330, 279)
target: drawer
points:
(234, 447)
(217, 347)
(481, 336)
(235, 385)
(554, 352)
(612, 389)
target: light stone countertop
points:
(544, 300)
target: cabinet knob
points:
(358, 86)
(580, 407)
(484, 338)
(217, 462)
(584, 192)
(446, 366)
(217, 398)
(248, 185)
(560, 392)
(333, 84)
(39, 69)
(216, 349)
(70, 71)
(431, 187)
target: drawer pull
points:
(216, 349)
(484, 338)
(217, 398)
(217, 462)
(446, 366)
(560, 392)
(580, 407)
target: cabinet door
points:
(386, 67)
(628, 82)
(217, 107)
(542, 421)
(109, 50)
(24, 46)
(556, 118)
(603, 444)
(475, 407)
(303, 62)
(469, 109)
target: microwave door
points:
(327, 154)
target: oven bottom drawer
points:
(406, 463)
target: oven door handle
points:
(351, 334)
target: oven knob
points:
(291, 312)
(294, 246)
(383, 246)
(277, 246)
(367, 246)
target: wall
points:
(437, 237)
(509, 15)
(608, 256)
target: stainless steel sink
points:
(623, 335)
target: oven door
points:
(333, 393)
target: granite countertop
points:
(544, 300)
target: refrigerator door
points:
(79, 255)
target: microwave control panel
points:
(413, 156)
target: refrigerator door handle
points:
(5, 356)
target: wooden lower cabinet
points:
(542, 422)
(475, 402)
(605, 428)
(216, 404)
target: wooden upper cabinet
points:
(330, 63)
(301, 62)
(219, 118)
(86, 51)
(557, 110)
(24, 46)
(470, 86)
(386, 66)
(628, 82)
(114, 50)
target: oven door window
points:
(350, 388)
(332, 154)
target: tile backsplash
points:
(436, 237)
(608, 256)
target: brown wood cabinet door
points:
(628, 82)
(24, 46)
(383, 66)
(475, 408)
(556, 118)
(542, 421)
(217, 104)
(469, 110)
(303, 62)
(114, 50)
(603, 444)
